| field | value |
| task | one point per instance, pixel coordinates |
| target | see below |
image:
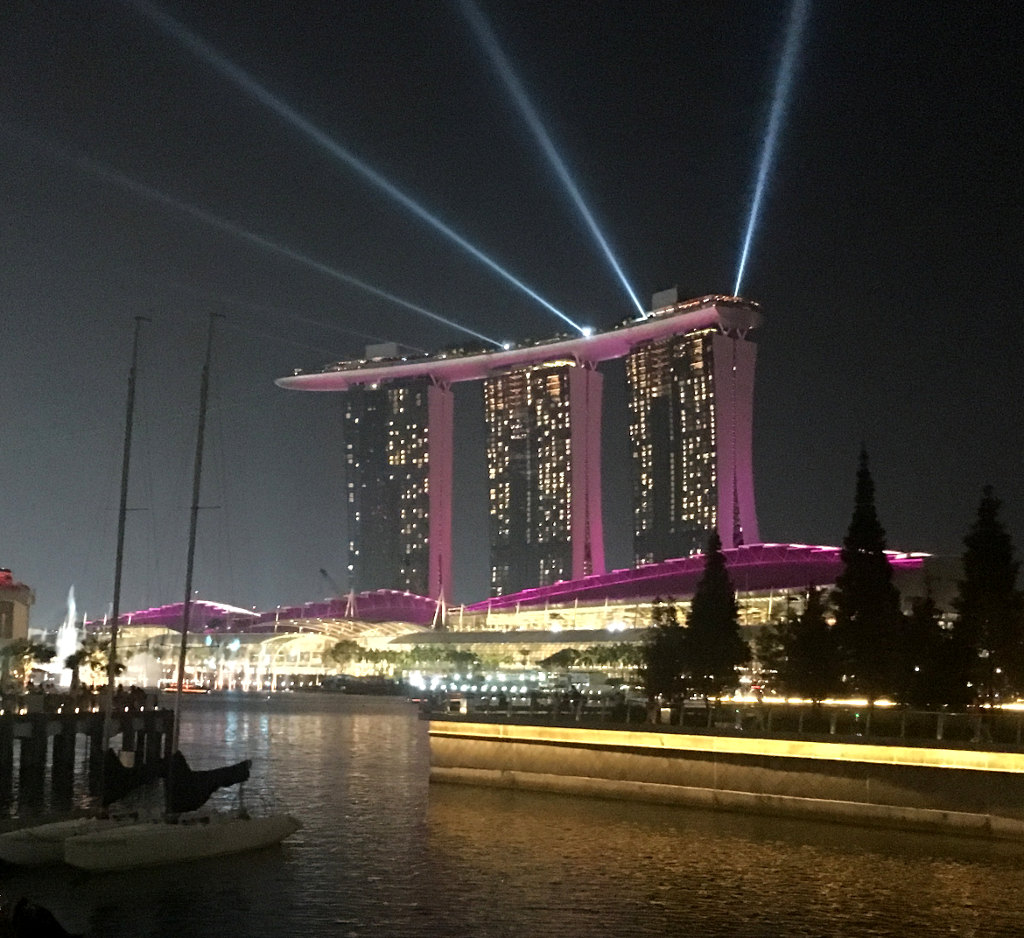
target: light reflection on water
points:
(384, 853)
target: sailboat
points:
(43, 844)
(175, 838)
(106, 843)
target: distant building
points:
(691, 413)
(397, 442)
(543, 459)
(15, 600)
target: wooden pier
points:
(42, 740)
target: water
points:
(383, 852)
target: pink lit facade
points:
(397, 441)
(440, 439)
(691, 411)
(586, 532)
(734, 396)
(565, 512)
(543, 463)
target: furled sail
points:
(189, 789)
(120, 781)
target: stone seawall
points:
(954, 790)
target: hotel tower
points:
(397, 440)
(690, 419)
(544, 469)
(690, 368)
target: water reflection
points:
(579, 864)
(383, 853)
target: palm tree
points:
(93, 653)
(18, 656)
(346, 651)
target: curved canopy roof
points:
(729, 313)
(752, 568)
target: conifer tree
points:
(662, 661)
(867, 604)
(929, 674)
(990, 626)
(714, 648)
(808, 663)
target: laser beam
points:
(155, 195)
(514, 86)
(780, 99)
(229, 299)
(282, 250)
(254, 89)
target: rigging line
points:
(280, 340)
(276, 311)
(221, 472)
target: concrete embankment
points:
(956, 790)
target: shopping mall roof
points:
(752, 568)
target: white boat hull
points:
(154, 843)
(43, 844)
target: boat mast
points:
(204, 389)
(115, 606)
(122, 513)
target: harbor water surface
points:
(383, 852)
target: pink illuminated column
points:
(587, 537)
(440, 434)
(734, 420)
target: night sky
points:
(887, 259)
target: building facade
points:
(397, 440)
(691, 413)
(544, 474)
(15, 601)
(691, 371)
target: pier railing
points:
(1002, 728)
(42, 737)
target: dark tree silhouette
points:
(662, 662)
(990, 626)
(867, 604)
(713, 647)
(565, 658)
(930, 670)
(806, 660)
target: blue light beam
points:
(155, 195)
(780, 99)
(232, 300)
(500, 61)
(254, 89)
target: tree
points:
(801, 649)
(345, 652)
(930, 663)
(990, 627)
(770, 646)
(867, 603)
(93, 653)
(713, 647)
(662, 661)
(565, 658)
(17, 658)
